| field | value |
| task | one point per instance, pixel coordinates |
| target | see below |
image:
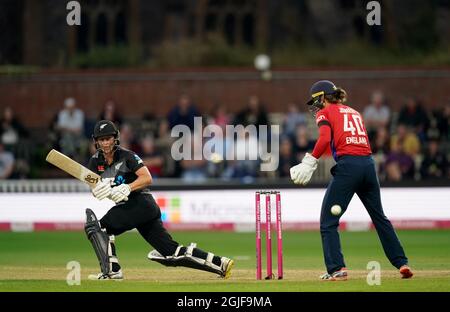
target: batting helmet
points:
(105, 128)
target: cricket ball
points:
(336, 210)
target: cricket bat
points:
(73, 168)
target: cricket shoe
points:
(340, 275)
(117, 276)
(226, 266)
(405, 271)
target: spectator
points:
(14, 138)
(380, 143)
(376, 114)
(435, 163)
(406, 140)
(302, 142)
(91, 150)
(163, 144)
(398, 165)
(442, 117)
(194, 170)
(414, 115)
(70, 125)
(380, 149)
(149, 124)
(128, 140)
(220, 116)
(287, 158)
(110, 112)
(294, 118)
(217, 146)
(183, 113)
(151, 157)
(433, 131)
(245, 165)
(12, 130)
(253, 114)
(393, 172)
(6, 163)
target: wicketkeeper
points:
(342, 128)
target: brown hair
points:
(339, 96)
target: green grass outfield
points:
(37, 262)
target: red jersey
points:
(348, 134)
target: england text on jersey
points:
(356, 140)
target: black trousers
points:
(140, 212)
(356, 174)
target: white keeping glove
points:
(302, 173)
(103, 189)
(120, 193)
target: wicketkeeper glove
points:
(120, 193)
(302, 173)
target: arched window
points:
(230, 28)
(101, 30)
(248, 31)
(359, 24)
(120, 28)
(234, 19)
(211, 22)
(104, 22)
(347, 4)
(217, 3)
(83, 34)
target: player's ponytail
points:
(339, 96)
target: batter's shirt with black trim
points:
(122, 169)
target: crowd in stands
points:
(410, 144)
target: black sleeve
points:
(134, 162)
(324, 123)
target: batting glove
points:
(103, 189)
(120, 193)
(302, 173)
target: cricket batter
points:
(126, 181)
(342, 127)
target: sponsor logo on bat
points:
(90, 179)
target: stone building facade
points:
(35, 31)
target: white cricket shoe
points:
(340, 275)
(118, 276)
